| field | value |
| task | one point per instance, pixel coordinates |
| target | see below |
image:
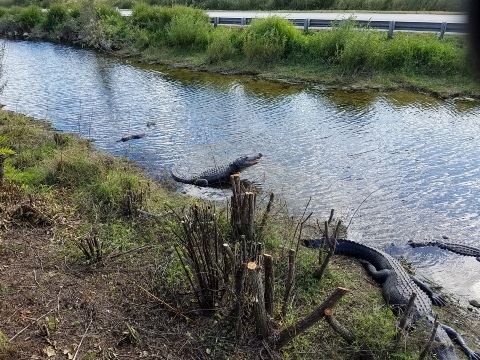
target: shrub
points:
(30, 17)
(150, 24)
(189, 27)
(423, 54)
(222, 45)
(360, 52)
(151, 18)
(264, 48)
(275, 26)
(56, 15)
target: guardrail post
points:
(244, 21)
(306, 24)
(443, 28)
(391, 27)
(215, 21)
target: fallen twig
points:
(168, 306)
(83, 337)
(26, 327)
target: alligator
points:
(397, 288)
(220, 174)
(456, 248)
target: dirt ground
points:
(53, 305)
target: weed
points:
(222, 46)
(4, 343)
(189, 27)
(31, 17)
(57, 14)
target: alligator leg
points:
(472, 355)
(436, 298)
(201, 182)
(378, 275)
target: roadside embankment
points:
(345, 56)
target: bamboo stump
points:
(289, 333)
(269, 283)
(260, 315)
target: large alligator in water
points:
(456, 248)
(397, 288)
(220, 174)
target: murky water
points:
(396, 166)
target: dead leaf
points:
(49, 351)
(69, 351)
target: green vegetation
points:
(370, 5)
(342, 56)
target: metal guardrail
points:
(390, 26)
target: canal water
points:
(394, 166)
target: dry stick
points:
(187, 274)
(83, 337)
(331, 250)
(339, 328)
(289, 281)
(289, 333)
(269, 283)
(26, 327)
(301, 229)
(430, 341)
(168, 306)
(331, 216)
(129, 251)
(299, 222)
(359, 206)
(231, 256)
(408, 311)
(239, 281)
(404, 320)
(251, 215)
(267, 212)
(260, 315)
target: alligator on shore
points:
(220, 174)
(397, 287)
(456, 248)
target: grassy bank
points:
(344, 56)
(85, 274)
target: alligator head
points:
(246, 161)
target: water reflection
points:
(396, 166)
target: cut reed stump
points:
(242, 209)
(269, 283)
(316, 315)
(259, 312)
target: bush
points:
(361, 52)
(264, 48)
(275, 26)
(150, 24)
(57, 14)
(222, 45)
(189, 27)
(30, 17)
(423, 54)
